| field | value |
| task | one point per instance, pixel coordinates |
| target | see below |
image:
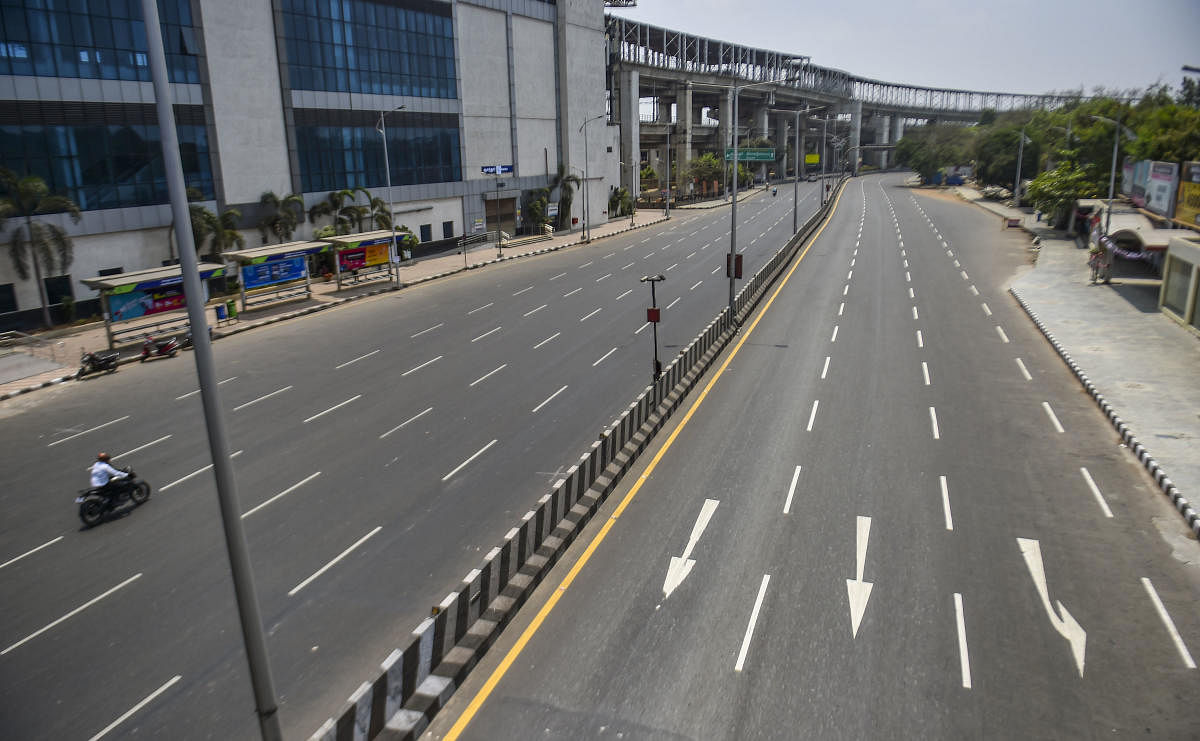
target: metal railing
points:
(14, 341)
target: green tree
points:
(225, 236)
(347, 214)
(1169, 133)
(619, 202)
(996, 152)
(533, 210)
(279, 216)
(1189, 93)
(649, 177)
(566, 184)
(34, 242)
(927, 149)
(706, 168)
(1055, 192)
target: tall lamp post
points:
(382, 129)
(652, 317)
(796, 167)
(1020, 156)
(632, 198)
(1118, 129)
(587, 203)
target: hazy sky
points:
(1019, 46)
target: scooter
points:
(153, 348)
(95, 503)
(187, 344)
(94, 362)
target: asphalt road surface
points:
(381, 449)
(892, 514)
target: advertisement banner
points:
(1187, 207)
(812, 159)
(1160, 190)
(1141, 178)
(134, 304)
(364, 257)
(1127, 176)
(274, 271)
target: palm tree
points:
(225, 235)
(347, 214)
(381, 213)
(279, 215)
(566, 184)
(35, 241)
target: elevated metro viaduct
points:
(690, 81)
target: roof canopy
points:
(276, 252)
(366, 239)
(142, 280)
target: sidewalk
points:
(67, 344)
(1140, 366)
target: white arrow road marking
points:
(682, 566)
(858, 590)
(1066, 625)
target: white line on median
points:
(1053, 418)
(835, 331)
(714, 270)
(974, 290)
(672, 267)
(850, 275)
(410, 419)
(986, 310)
(695, 285)
(762, 591)
(623, 295)
(946, 503)
(551, 337)
(920, 339)
(585, 317)
(841, 308)
(1095, 491)
(423, 331)
(30, 552)
(572, 293)
(485, 334)
(1003, 336)
(606, 275)
(129, 713)
(332, 408)
(825, 369)
(352, 362)
(261, 398)
(481, 308)
(630, 265)
(639, 329)
(937, 435)
(845, 289)
(93, 429)
(523, 290)
(673, 302)
(463, 465)
(1167, 621)
(581, 267)
(964, 275)
(538, 408)
(556, 277)
(1024, 371)
(329, 565)
(281, 494)
(531, 312)
(812, 416)
(197, 472)
(925, 371)
(962, 641)
(787, 503)
(915, 313)
(602, 359)
(908, 276)
(70, 614)
(910, 293)
(422, 365)
(488, 374)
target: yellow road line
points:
(477, 702)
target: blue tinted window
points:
(336, 157)
(103, 39)
(361, 47)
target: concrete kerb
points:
(528, 551)
(1164, 483)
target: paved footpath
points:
(1138, 361)
(65, 345)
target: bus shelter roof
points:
(283, 251)
(142, 280)
(351, 241)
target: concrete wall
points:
(483, 65)
(247, 107)
(537, 119)
(581, 96)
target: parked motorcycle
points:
(95, 503)
(153, 348)
(94, 362)
(187, 344)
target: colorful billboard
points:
(1141, 179)
(133, 304)
(1160, 189)
(273, 271)
(1187, 207)
(364, 257)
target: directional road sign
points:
(496, 169)
(751, 155)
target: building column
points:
(897, 128)
(855, 135)
(683, 135)
(883, 127)
(762, 116)
(631, 147)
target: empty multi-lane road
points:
(380, 450)
(889, 512)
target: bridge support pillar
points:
(883, 126)
(855, 135)
(782, 160)
(762, 117)
(897, 128)
(631, 122)
(683, 136)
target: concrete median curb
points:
(416, 682)
(1156, 471)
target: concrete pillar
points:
(631, 146)
(883, 129)
(855, 135)
(664, 109)
(782, 140)
(761, 128)
(682, 138)
(897, 128)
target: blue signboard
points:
(496, 169)
(274, 271)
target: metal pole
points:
(1112, 178)
(1017, 185)
(796, 180)
(587, 202)
(824, 135)
(667, 202)
(391, 205)
(654, 304)
(733, 210)
(231, 514)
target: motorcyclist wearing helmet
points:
(104, 476)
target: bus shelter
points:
(276, 272)
(154, 295)
(364, 257)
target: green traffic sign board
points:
(751, 155)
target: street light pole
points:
(796, 167)
(824, 151)
(394, 257)
(587, 202)
(1118, 128)
(667, 202)
(253, 637)
(1020, 156)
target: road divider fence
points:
(416, 681)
